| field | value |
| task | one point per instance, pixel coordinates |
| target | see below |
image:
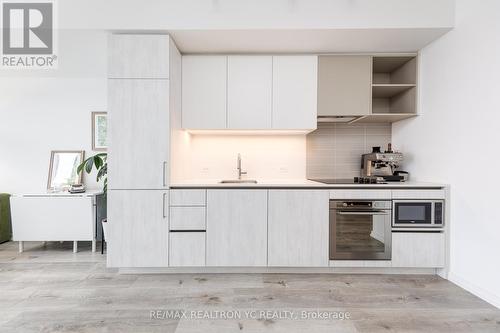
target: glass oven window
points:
(360, 234)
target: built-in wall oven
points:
(418, 213)
(360, 230)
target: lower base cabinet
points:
(298, 228)
(187, 249)
(418, 249)
(138, 228)
(237, 228)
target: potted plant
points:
(100, 162)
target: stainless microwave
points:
(417, 213)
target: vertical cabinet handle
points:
(163, 205)
(164, 174)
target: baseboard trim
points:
(287, 270)
(475, 289)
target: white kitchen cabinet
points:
(134, 56)
(298, 224)
(138, 119)
(360, 194)
(187, 249)
(236, 227)
(138, 228)
(419, 194)
(204, 88)
(187, 218)
(249, 92)
(188, 197)
(295, 92)
(418, 249)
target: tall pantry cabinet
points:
(144, 78)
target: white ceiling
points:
(270, 26)
(305, 41)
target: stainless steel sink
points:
(238, 181)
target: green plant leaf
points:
(101, 165)
(80, 167)
(98, 162)
(89, 165)
(101, 173)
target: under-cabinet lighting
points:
(247, 132)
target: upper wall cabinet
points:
(344, 86)
(249, 92)
(295, 92)
(204, 87)
(138, 56)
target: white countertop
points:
(88, 193)
(298, 183)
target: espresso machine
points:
(379, 166)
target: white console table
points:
(54, 217)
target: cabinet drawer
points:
(418, 249)
(418, 194)
(194, 197)
(360, 194)
(187, 218)
(187, 249)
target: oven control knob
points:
(344, 204)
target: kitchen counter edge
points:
(310, 185)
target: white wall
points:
(48, 110)
(456, 140)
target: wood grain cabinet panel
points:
(187, 249)
(138, 119)
(418, 194)
(236, 227)
(418, 249)
(188, 197)
(298, 224)
(361, 194)
(134, 56)
(138, 228)
(187, 218)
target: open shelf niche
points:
(394, 86)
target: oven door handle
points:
(362, 213)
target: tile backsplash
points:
(334, 150)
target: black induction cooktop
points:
(334, 181)
(355, 180)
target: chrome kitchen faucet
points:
(238, 166)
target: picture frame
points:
(99, 131)
(63, 169)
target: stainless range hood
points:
(337, 119)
